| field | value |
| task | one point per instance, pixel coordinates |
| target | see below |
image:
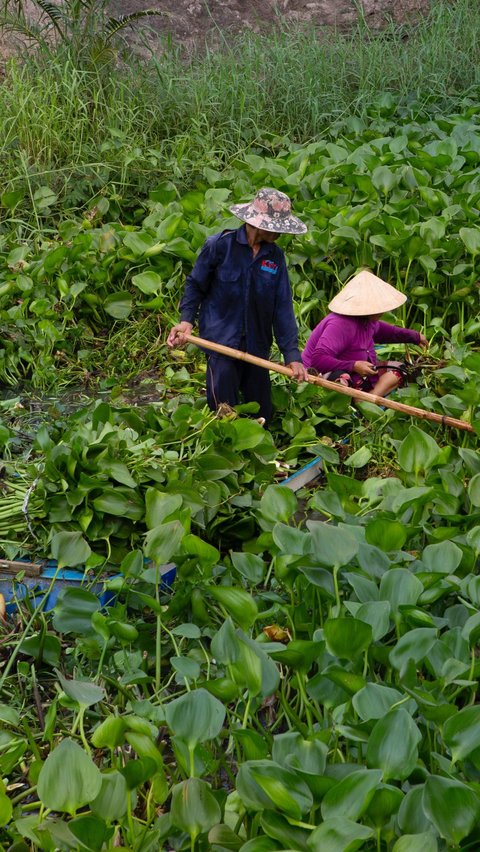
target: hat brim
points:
(366, 295)
(280, 224)
(361, 307)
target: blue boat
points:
(44, 587)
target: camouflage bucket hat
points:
(270, 210)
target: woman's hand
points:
(364, 368)
(299, 372)
(176, 336)
(423, 341)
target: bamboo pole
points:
(325, 383)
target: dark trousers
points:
(228, 379)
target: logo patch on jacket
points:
(269, 266)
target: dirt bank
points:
(194, 22)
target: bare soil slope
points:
(195, 22)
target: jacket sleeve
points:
(333, 342)
(198, 282)
(284, 323)
(386, 333)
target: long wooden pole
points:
(324, 383)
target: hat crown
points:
(366, 295)
(270, 210)
(271, 201)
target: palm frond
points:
(55, 13)
(114, 25)
(20, 26)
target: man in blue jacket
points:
(239, 287)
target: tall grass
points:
(81, 129)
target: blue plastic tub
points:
(47, 586)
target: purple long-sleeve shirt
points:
(338, 341)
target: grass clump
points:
(82, 127)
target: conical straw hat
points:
(366, 295)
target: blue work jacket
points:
(241, 300)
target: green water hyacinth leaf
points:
(347, 638)
(74, 610)
(360, 458)
(377, 615)
(194, 808)
(138, 242)
(189, 631)
(206, 553)
(443, 558)
(91, 831)
(306, 757)
(120, 502)
(461, 733)
(299, 654)
(163, 541)
(68, 779)
(225, 644)
(6, 808)
(249, 565)
(237, 602)
(195, 717)
(119, 472)
(160, 506)
(418, 451)
(331, 546)
(253, 669)
(393, 745)
(278, 503)
(425, 842)
(474, 490)
(259, 844)
(413, 645)
(453, 807)
(264, 784)
(248, 434)
(288, 835)
(411, 817)
(384, 179)
(118, 305)
(291, 540)
(292, 751)
(339, 835)
(110, 733)
(471, 629)
(350, 797)
(221, 837)
(186, 667)
(349, 681)
(69, 549)
(144, 747)
(82, 691)
(385, 534)
(470, 237)
(399, 587)
(148, 282)
(385, 802)
(375, 700)
(415, 496)
(136, 772)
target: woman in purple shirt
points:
(342, 346)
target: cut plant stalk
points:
(325, 383)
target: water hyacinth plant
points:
(306, 677)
